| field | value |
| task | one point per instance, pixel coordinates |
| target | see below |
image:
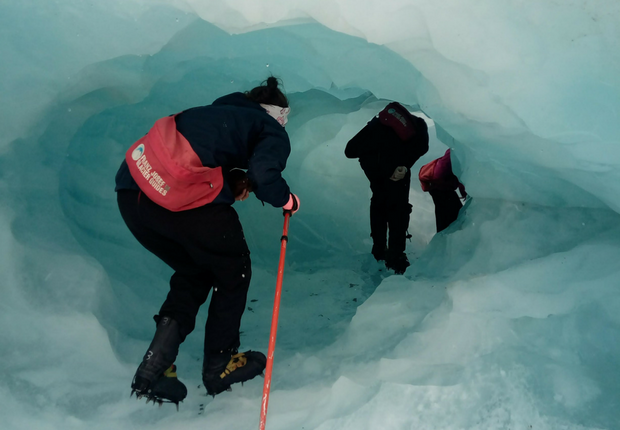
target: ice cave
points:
(508, 319)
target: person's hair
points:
(268, 93)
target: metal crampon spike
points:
(229, 389)
(262, 375)
(176, 403)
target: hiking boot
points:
(156, 376)
(378, 251)
(398, 264)
(166, 389)
(229, 367)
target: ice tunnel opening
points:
(110, 104)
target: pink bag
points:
(169, 172)
(437, 175)
(427, 175)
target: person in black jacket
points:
(387, 148)
(441, 183)
(205, 245)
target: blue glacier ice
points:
(509, 319)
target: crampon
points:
(166, 389)
(226, 369)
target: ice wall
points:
(511, 313)
(543, 105)
(530, 90)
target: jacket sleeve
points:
(267, 162)
(373, 146)
(362, 143)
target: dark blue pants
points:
(447, 207)
(390, 210)
(206, 248)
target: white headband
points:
(278, 112)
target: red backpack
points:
(395, 116)
(437, 175)
(169, 172)
(427, 176)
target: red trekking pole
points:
(274, 324)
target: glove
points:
(239, 184)
(462, 191)
(399, 173)
(292, 205)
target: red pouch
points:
(437, 175)
(427, 175)
(395, 116)
(169, 172)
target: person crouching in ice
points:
(175, 190)
(437, 179)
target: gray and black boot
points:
(156, 376)
(222, 369)
(378, 251)
(397, 262)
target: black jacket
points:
(381, 151)
(234, 132)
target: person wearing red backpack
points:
(438, 180)
(175, 192)
(387, 147)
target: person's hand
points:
(462, 191)
(240, 184)
(292, 205)
(399, 173)
(244, 194)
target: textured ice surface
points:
(506, 320)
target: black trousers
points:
(390, 210)
(207, 249)
(447, 207)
